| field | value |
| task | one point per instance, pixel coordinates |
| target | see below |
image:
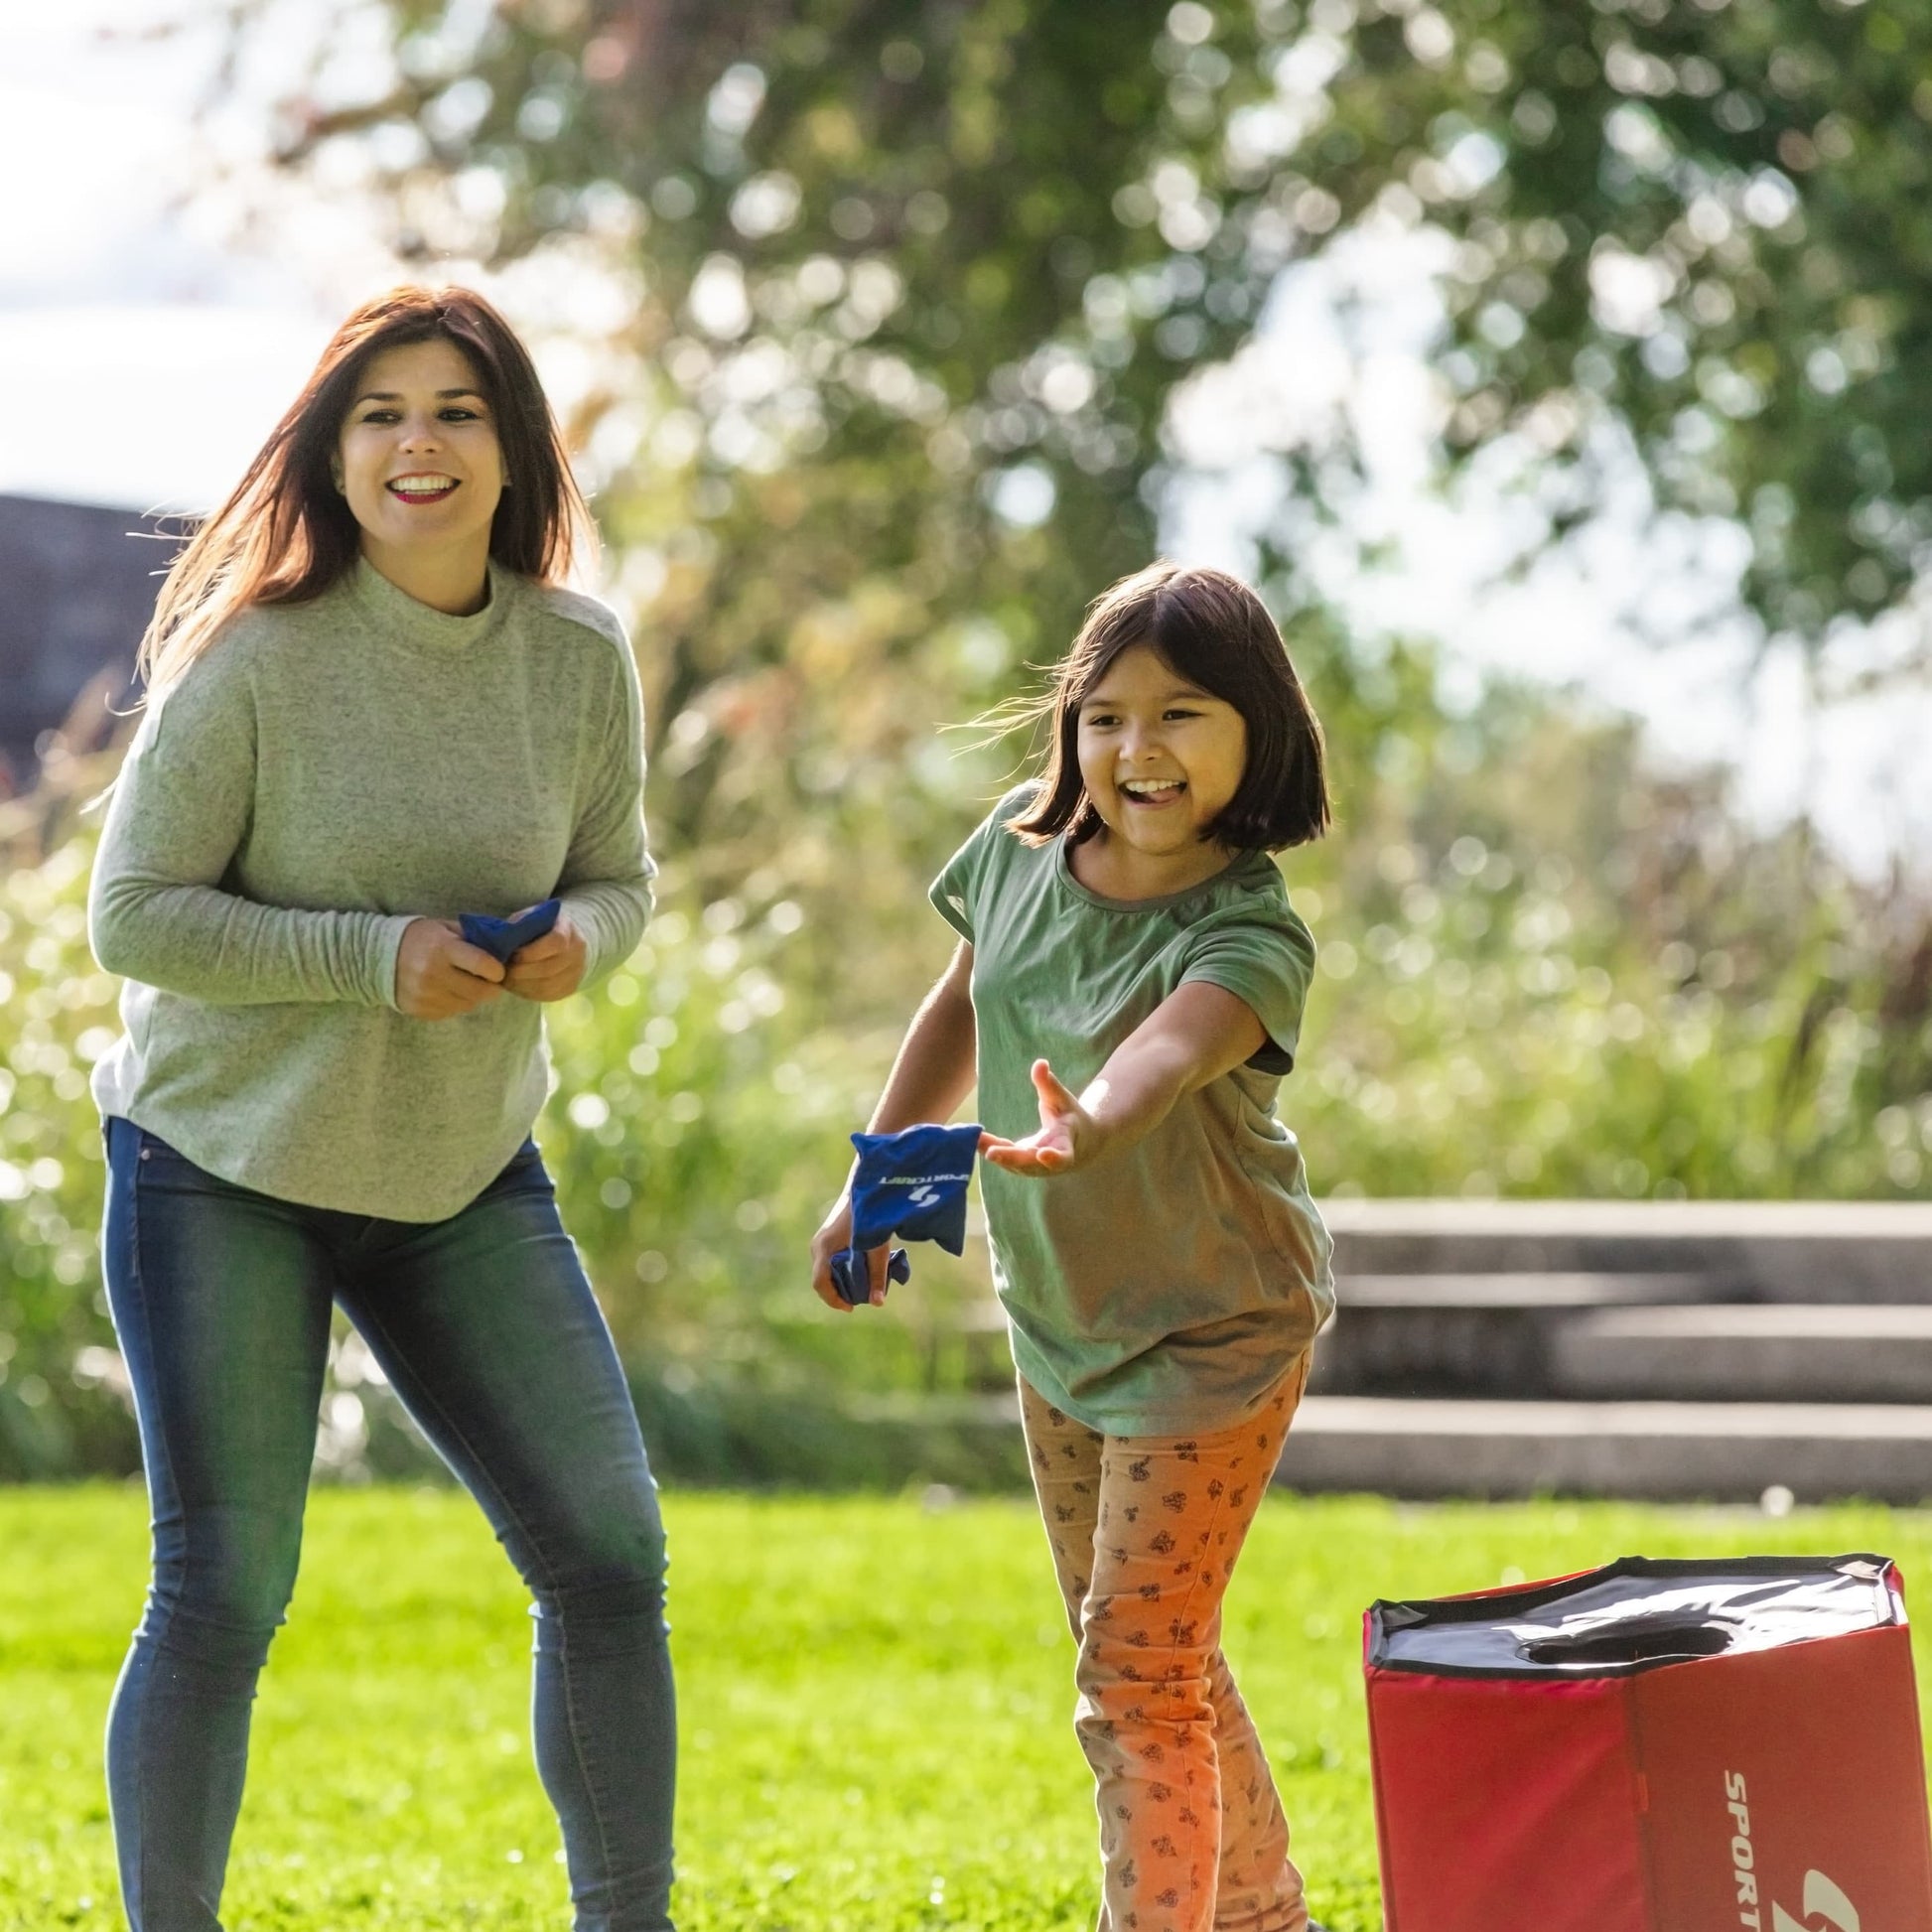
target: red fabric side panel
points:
(1819, 1743)
(1505, 1806)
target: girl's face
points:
(1161, 759)
(418, 459)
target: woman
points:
(372, 710)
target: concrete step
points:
(1660, 1451)
(1777, 1352)
(1536, 1292)
(1781, 1251)
(1473, 1334)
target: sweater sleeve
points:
(605, 885)
(158, 911)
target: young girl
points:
(374, 708)
(1129, 985)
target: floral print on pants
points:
(1145, 1532)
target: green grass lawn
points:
(875, 1703)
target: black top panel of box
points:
(1636, 1615)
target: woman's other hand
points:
(834, 1234)
(550, 968)
(439, 974)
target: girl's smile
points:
(1159, 758)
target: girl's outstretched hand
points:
(1069, 1136)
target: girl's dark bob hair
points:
(1212, 629)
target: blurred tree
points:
(879, 308)
(913, 280)
(884, 376)
(1544, 969)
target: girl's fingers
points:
(822, 1283)
(1049, 1085)
(1018, 1158)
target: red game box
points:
(1727, 1746)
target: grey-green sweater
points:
(323, 774)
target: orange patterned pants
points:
(1145, 1532)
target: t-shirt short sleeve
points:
(1264, 955)
(955, 892)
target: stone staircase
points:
(1729, 1350)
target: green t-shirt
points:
(1168, 1287)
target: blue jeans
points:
(488, 1330)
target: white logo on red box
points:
(1825, 1901)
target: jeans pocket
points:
(155, 1165)
(135, 1152)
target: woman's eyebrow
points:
(391, 395)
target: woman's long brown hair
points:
(285, 534)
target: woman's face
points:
(418, 459)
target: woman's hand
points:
(439, 974)
(834, 1234)
(550, 968)
(1068, 1134)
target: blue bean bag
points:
(502, 938)
(913, 1184)
(849, 1274)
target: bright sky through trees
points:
(144, 348)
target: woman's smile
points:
(419, 488)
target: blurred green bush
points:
(58, 1368)
(1544, 970)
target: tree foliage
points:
(884, 253)
(881, 307)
